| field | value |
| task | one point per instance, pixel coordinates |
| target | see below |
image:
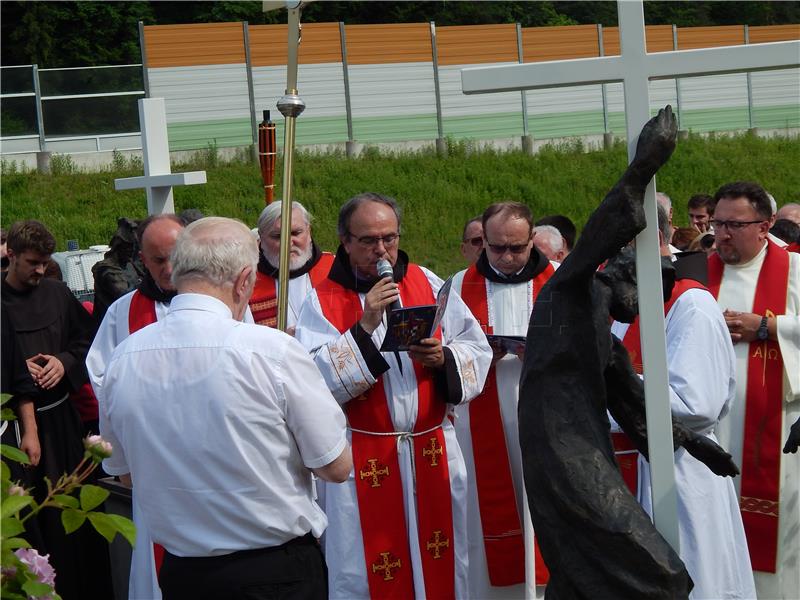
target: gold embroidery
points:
(436, 543)
(374, 472)
(386, 566)
(432, 450)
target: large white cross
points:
(158, 179)
(635, 68)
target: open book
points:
(511, 344)
(408, 325)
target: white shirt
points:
(219, 422)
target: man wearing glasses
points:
(397, 527)
(757, 284)
(472, 240)
(500, 289)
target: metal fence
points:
(70, 109)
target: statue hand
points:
(656, 141)
(711, 455)
(793, 441)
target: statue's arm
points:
(620, 217)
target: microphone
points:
(384, 268)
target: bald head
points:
(157, 241)
(789, 211)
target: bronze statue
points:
(119, 272)
(594, 537)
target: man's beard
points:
(295, 261)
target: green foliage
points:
(62, 164)
(437, 195)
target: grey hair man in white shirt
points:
(220, 425)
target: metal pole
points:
(522, 92)
(677, 80)
(440, 145)
(145, 73)
(39, 113)
(603, 94)
(346, 76)
(291, 106)
(749, 84)
(250, 90)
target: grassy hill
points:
(437, 194)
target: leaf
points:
(8, 415)
(6, 472)
(14, 504)
(33, 588)
(11, 526)
(125, 527)
(67, 501)
(104, 525)
(72, 519)
(16, 543)
(14, 454)
(92, 496)
(4, 398)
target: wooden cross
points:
(432, 450)
(386, 566)
(436, 543)
(157, 180)
(374, 472)
(635, 68)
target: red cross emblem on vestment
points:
(374, 472)
(435, 543)
(432, 450)
(386, 566)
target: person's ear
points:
(242, 283)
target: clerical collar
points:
(535, 265)
(348, 277)
(266, 267)
(150, 289)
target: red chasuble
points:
(142, 312)
(379, 489)
(761, 453)
(503, 538)
(626, 453)
(264, 301)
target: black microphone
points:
(384, 268)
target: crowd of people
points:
(311, 464)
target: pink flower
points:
(39, 566)
(97, 447)
(16, 490)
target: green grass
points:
(437, 194)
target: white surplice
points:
(737, 292)
(701, 389)
(509, 308)
(347, 375)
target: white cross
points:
(635, 68)
(157, 179)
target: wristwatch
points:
(763, 332)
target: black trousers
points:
(293, 570)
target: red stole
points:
(793, 247)
(142, 312)
(264, 301)
(626, 453)
(761, 450)
(503, 538)
(379, 489)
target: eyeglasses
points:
(513, 248)
(475, 242)
(733, 225)
(370, 241)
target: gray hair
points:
(552, 237)
(272, 213)
(663, 223)
(343, 225)
(214, 250)
(664, 200)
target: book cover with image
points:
(408, 325)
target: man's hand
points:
(711, 455)
(743, 326)
(429, 352)
(793, 441)
(377, 299)
(46, 370)
(29, 444)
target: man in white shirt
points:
(757, 284)
(223, 433)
